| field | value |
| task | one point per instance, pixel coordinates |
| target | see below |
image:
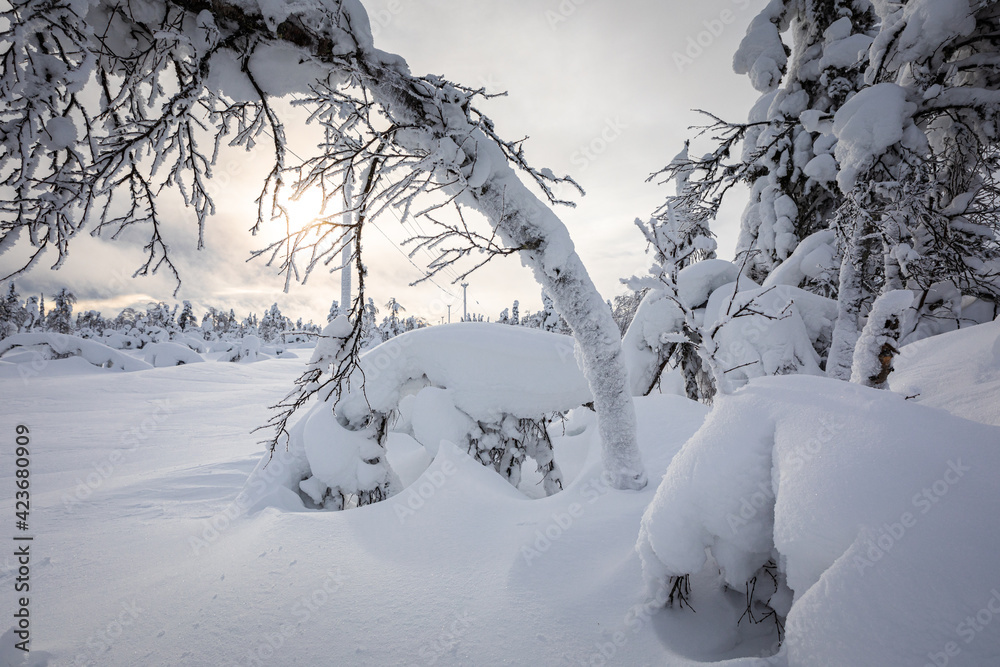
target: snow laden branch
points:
(710, 177)
(107, 106)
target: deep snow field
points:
(151, 548)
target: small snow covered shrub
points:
(721, 329)
(760, 331)
(170, 354)
(246, 349)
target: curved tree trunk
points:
(523, 221)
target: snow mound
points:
(161, 355)
(61, 346)
(958, 371)
(489, 371)
(856, 494)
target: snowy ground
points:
(136, 561)
(141, 557)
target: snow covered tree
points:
(90, 324)
(187, 319)
(680, 228)
(12, 315)
(32, 314)
(918, 153)
(515, 313)
(272, 324)
(174, 76)
(791, 144)
(60, 318)
(160, 316)
(335, 310)
(393, 325)
(550, 318)
(879, 342)
(623, 308)
(369, 329)
(413, 323)
(126, 319)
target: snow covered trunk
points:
(850, 299)
(879, 342)
(522, 221)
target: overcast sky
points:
(603, 89)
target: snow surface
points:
(958, 371)
(152, 547)
(143, 507)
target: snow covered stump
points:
(489, 390)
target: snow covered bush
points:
(196, 343)
(61, 346)
(246, 349)
(855, 496)
(160, 355)
(721, 329)
(778, 330)
(484, 388)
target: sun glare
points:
(305, 209)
